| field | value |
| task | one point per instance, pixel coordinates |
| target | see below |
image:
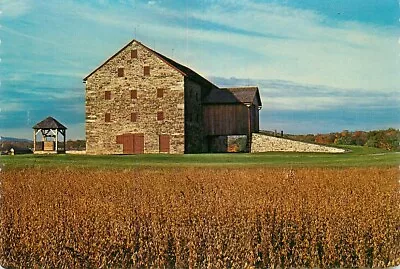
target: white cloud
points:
(319, 103)
(55, 94)
(15, 8)
(290, 96)
(28, 36)
(298, 45)
(10, 106)
(290, 44)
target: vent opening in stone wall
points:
(107, 117)
(120, 72)
(147, 70)
(134, 54)
(107, 95)
(160, 115)
(160, 93)
(133, 94)
(134, 117)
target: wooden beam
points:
(249, 128)
(56, 141)
(34, 140)
(65, 144)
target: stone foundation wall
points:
(265, 143)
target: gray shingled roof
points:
(49, 123)
(220, 96)
(233, 95)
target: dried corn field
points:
(200, 218)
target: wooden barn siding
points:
(255, 128)
(223, 119)
(255, 116)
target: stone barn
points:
(140, 101)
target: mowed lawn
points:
(356, 157)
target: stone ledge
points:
(265, 143)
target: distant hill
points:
(20, 145)
(13, 139)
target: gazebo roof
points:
(49, 123)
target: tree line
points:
(27, 146)
(388, 139)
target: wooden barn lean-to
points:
(140, 101)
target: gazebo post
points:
(65, 144)
(57, 140)
(34, 140)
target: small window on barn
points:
(107, 95)
(108, 117)
(134, 54)
(134, 117)
(120, 72)
(160, 93)
(147, 70)
(133, 94)
(160, 115)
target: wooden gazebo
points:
(50, 130)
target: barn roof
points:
(49, 123)
(233, 95)
(186, 71)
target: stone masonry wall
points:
(101, 135)
(194, 132)
(265, 143)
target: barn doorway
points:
(164, 144)
(131, 143)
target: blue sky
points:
(321, 65)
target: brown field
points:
(200, 218)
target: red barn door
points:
(132, 143)
(138, 144)
(164, 143)
(128, 141)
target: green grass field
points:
(359, 156)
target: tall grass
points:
(200, 218)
